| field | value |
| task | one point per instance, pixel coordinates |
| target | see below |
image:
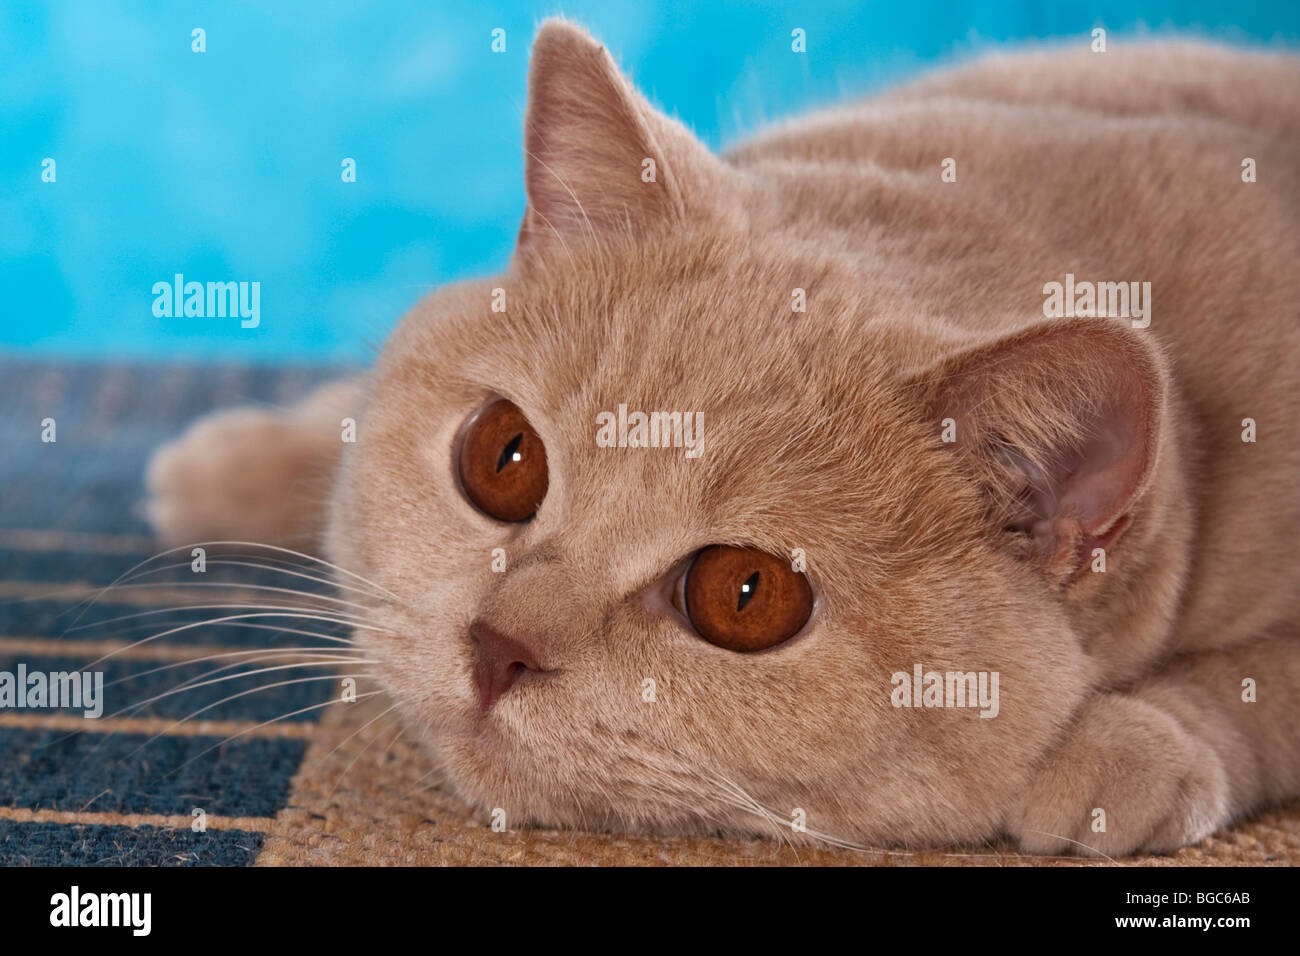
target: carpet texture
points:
(231, 770)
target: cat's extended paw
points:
(1127, 779)
(246, 474)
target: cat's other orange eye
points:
(743, 599)
(502, 463)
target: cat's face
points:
(817, 447)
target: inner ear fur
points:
(1060, 424)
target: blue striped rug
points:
(127, 787)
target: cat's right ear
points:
(1060, 423)
(599, 158)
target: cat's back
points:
(1050, 91)
(1173, 164)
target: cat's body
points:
(824, 433)
(1111, 170)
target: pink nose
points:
(498, 661)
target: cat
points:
(913, 463)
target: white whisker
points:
(273, 628)
(232, 617)
(267, 723)
(348, 768)
(236, 586)
(225, 561)
(190, 685)
(240, 544)
(252, 652)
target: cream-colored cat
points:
(911, 463)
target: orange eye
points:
(743, 599)
(503, 463)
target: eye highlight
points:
(502, 463)
(743, 599)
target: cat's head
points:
(702, 635)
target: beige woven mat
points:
(366, 795)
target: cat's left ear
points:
(1060, 423)
(598, 157)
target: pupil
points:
(510, 452)
(747, 591)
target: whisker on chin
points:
(754, 806)
(359, 730)
(1091, 849)
(360, 753)
(732, 794)
(392, 742)
(740, 798)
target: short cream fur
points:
(1120, 690)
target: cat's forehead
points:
(685, 335)
(704, 321)
(770, 395)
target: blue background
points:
(225, 165)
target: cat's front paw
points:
(243, 474)
(1127, 779)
